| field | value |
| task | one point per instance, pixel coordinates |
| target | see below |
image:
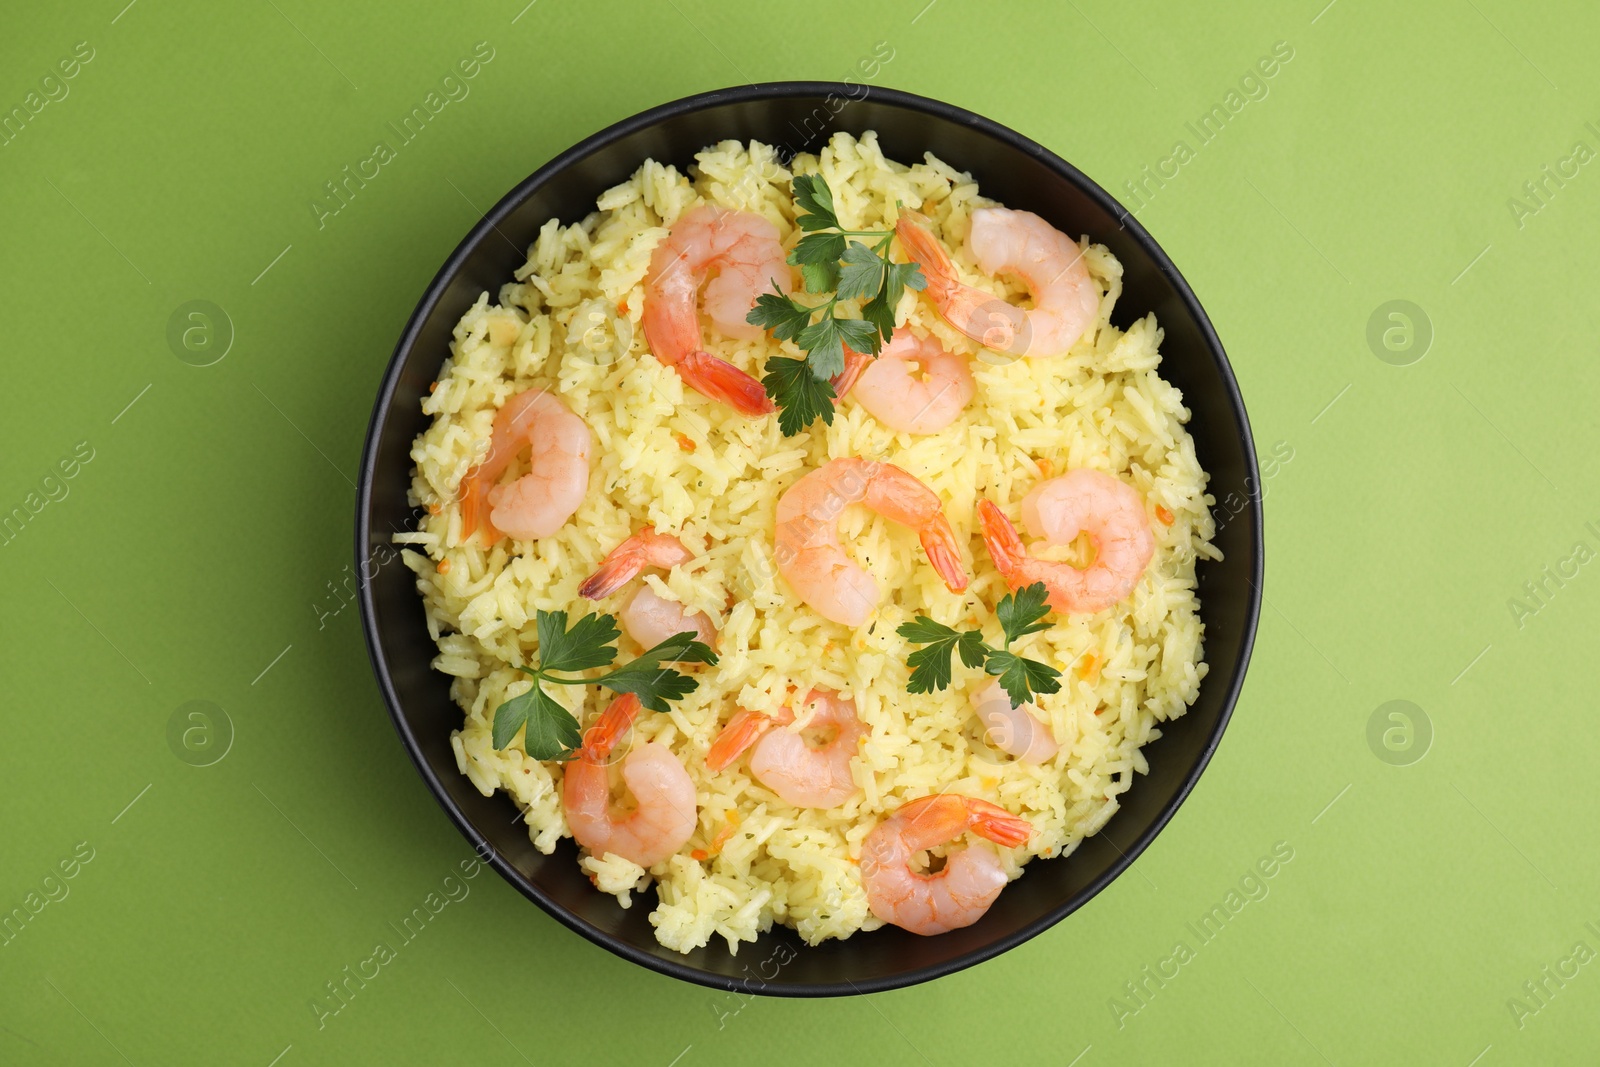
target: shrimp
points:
(663, 818)
(648, 617)
(1066, 300)
(1015, 731)
(644, 549)
(540, 502)
(1108, 510)
(891, 390)
(810, 556)
(744, 249)
(971, 879)
(783, 761)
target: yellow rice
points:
(1103, 405)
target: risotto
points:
(677, 496)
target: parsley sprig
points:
(1020, 614)
(851, 270)
(552, 732)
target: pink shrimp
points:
(1016, 731)
(1066, 299)
(644, 549)
(648, 617)
(1108, 510)
(891, 390)
(971, 879)
(744, 249)
(784, 762)
(541, 501)
(808, 551)
(663, 818)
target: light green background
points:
(198, 554)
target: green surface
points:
(202, 553)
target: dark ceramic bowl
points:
(799, 116)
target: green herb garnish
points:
(552, 732)
(851, 270)
(1020, 613)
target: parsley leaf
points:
(1021, 610)
(549, 731)
(780, 314)
(825, 346)
(930, 666)
(819, 277)
(851, 270)
(587, 644)
(859, 335)
(1021, 677)
(897, 278)
(801, 396)
(923, 629)
(817, 247)
(681, 648)
(654, 684)
(826, 339)
(862, 272)
(817, 256)
(811, 192)
(881, 314)
(900, 277)
(1020, 613)
(552, 731)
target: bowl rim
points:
(435, 291)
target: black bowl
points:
(799, 116)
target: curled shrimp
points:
(1016, 731)
(1108, 510)
(897, 396)
(540, 502)
(972, 877)
(648, 617)
(743, 248)
(785, 762)
(1066, 299)
(808, 551)
(663, 817)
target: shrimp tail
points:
(1001, 538)
(740, 733)
(721, 380)
(602, 737)
(472, 503)
(619, 568)
(644, 549)
(475, 508)
(614, 572)
(944, 552)
(924, 249)
(997, 824)
(854, 364)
